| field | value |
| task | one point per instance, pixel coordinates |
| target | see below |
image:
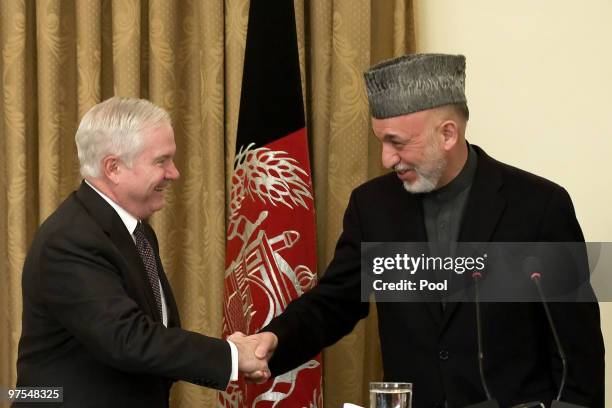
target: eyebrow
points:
(391, 137)
(162, 157)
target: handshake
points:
(254, 352)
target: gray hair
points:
(115, 126)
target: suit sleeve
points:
(330, 310)
(578, 323)
(85, 293)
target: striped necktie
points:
(148, 258)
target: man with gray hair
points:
(444, 190)
(99, 316)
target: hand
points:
(266, 344)
(248, 361)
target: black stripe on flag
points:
(271, 103)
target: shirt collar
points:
(128, 219)
(461, 182)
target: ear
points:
(110, 168)
(450, 132)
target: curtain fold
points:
(60, 57)
(126, 25)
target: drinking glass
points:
(390, 395)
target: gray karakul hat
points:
(414, 83)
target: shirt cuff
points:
(234, 350)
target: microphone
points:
(533, 268)
(477, 276)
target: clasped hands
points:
(254, 352)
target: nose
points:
(172, 172)
(389, 156)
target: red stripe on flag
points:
(271, 259)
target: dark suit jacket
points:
(89, 320)
(436, 350)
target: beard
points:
(429, 171)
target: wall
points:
(539, 88)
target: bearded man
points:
(444, 189)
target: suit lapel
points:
(412, 224)
(483, 209)
(485, 203)
(171, 308)
(411, 228)
(114, 227)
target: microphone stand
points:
(556, 403)
(490, 402)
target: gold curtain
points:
(60, 57)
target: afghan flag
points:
(271, 242)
